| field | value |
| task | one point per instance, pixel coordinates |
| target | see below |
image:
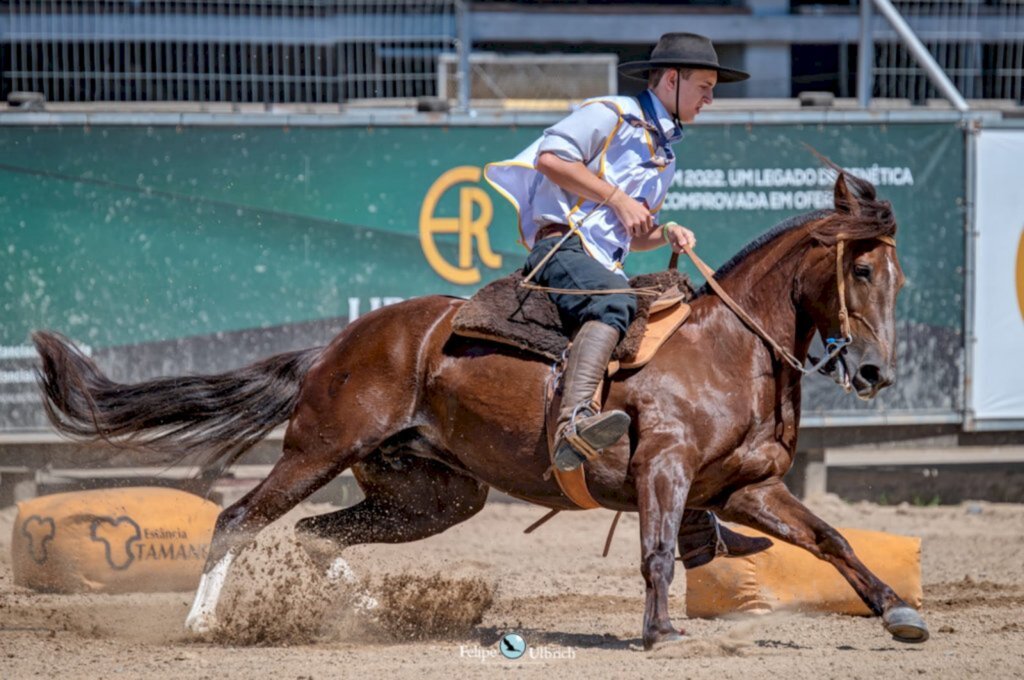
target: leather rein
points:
(833, 346)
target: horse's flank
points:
(714, 374)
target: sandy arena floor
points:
(553, 587)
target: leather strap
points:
(844, 321)
(574, 485)
(543, 520)
(709, 274)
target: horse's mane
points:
(870, 218)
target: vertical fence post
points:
(465, 46)
(865, 56)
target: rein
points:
(833, 346)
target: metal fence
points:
(518, 77)
(981, 68)
(332, 51)
(273, 51)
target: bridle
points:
(833, 346)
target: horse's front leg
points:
(771, 508)
(662, 485)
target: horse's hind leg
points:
(291, 480)
(771, 508)
(406, 498)
(317, 448)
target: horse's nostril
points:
(870, 374)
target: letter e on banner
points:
(475, 214)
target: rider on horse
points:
(602, 173)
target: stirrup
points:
(576, 446)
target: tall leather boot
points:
(580, 422)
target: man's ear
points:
(845, 200)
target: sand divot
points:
(696, 648)
(739, 640)
(276, 595)
(422, 607)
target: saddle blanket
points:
(505, 312)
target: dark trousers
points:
(572, 267)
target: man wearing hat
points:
(600, 176)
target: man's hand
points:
(633, 214)
(679, 237)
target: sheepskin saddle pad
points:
(503, 311)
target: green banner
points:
(123, 236)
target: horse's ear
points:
(846, 201)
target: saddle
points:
(506, 313)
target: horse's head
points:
(851, 296)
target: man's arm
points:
(574, 177)
(570, 145)
(679, 237)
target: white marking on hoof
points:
(202, 618)
(201, 623)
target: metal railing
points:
(979, 64)
(335, 51)
(274, 51)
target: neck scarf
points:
(663, 154)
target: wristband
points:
(664, 232)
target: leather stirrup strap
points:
(543, 520)
(573, 484)
(611, 532)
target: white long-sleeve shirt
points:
(599, 135)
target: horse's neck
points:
(762, 285)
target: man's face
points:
(694, 93)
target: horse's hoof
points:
(200, 624)
(663, 639)
(905, 625)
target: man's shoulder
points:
(618, 103)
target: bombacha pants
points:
(572, 267)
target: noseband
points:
(833, 346)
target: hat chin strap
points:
(675, 115)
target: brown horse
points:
(429, 420)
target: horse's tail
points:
(209, 418)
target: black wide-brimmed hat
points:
(683, 50)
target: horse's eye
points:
(862, 271)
